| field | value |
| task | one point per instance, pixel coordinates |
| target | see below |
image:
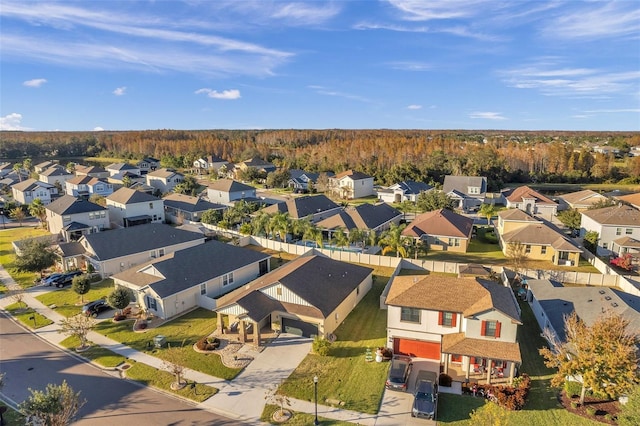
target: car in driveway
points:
(65, 279)
(425, 399)
(399, 373)
(49, 279)
(92, 309)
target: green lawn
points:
(186, 329)
(101, 356)
(299, 419)
(28, 316)
(7, 255)
(345, 375)
(160, 379)
(482, 249)
(68, 302)
(13, 417)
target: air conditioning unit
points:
(568, 263)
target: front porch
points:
(245, 330)
(479, 375)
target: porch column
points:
(512, 372)
(256, 334)
(446, 363)
(220, 324)
(489, 368)
(467, 370)
(242, 331)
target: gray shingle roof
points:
(228, 185)
(441, 222)
(131, 196)
(462, 183)
(30, 184)
(68, 205)
(301, 207)
(616, 215)
(55, 171)
(188, 203)
(364, 216)
(136, 239)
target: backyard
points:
(7, 255)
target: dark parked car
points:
(65, 279)
(399, 373)
(94, 308)
(49, 279)
(425, 398)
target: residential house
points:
(209, 164)
(309, 296)
(530, 201)
(550, 302)
(120, 168)
(541, 241)
(469, 192)
(117, 250)
(351, 184)
(258, 164)
(196, 276)
(28, 190)
(632, 199)
(301, 181)
(441, 230)
(128, 207)
(73, 217)
(148, 164)
(180, 207)
(365, 217)
(5, 169)
(41, 167)
(226, 191)
(314, 207)
(127, 179)
(407, 190)
(86, 186)
(93, 171)
(164, 180)
(618, 227)
(55, 175)
(469, 325)
(581, 200)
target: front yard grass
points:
(101, 356)
(344, 374)
(161, 379)
(8, 256)
(181, 332)
(67, 302)
(28, 316)
(298, 419)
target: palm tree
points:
(357, 235)
(340, 237)
(312, 233)
(280, 225)
(259, 224)
(37, 209)
(393, 240)
(18, 214)
(17, 167)
(372, 238)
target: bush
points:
(510, 397)
(321, 346)
(590, 411)
(445, 380)
(208, 344)
(572, 389)
(119, 317)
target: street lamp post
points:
(315, 392)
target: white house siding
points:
(118, 212)
(287, 295)
(508, 329)
(607, 233)
(57, 222)
(428, 324)
(27, 197)
(162, 184)
(223, 197)
(538, 312)
(181, 302)
(240, 277)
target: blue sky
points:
(399, 64)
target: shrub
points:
(511, 397)
(321, 346)
(574, 404)
(444, 380)
(590, 411)
(119, 317)
(208, 344)
(572, 389)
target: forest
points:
(388, 155)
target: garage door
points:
(299, 328)
(417, 348)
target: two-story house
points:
(120, 168)
(407, 190)
(93, 171)
(257, 164)
(55, 174)
(468, 191)
(541, 241)
(209, 164)
(148, 164)
(72, 217)
(530, 201)
(618, 227)
(28, 190)
(164, 180)
(86, 186)
(441, 230)
(128, 207)
(469, 325)
(351, 184)
(180, 207)
(226, 191)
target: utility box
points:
(159, 341)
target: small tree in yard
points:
(570, 218)
(488, 210)
(57, 405)
(18, 214)
(321, 346)
(173, 359)
(17, 295)
(517, 255)
(35, 256)
(603, 356)
(81, 285)
(119, 299)
(279, 399)
(490, 414)
(78, 326)
(590, 241)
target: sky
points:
(368, 64)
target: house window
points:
(160, 252)
(618, 231)
(203, 288)
(455, 242)
(410, 315)
(447, 319)
(474, 190)
(227, 279)
(543, 250)
(152, 303)
(527, 248)
(66, 218)
(279, 291)
(628, 231)
(490, 329)
(151, 206)
(604, 245)
(152, 254)
(456, 358)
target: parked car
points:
(399, 373)
(65, 279)
(48, 280)
(94, 308)
(425, 399)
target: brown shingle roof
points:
(516, 195)
(457, 343)
(516, 215)
(441, 222)
(615, 215)
(540, 234)
(228, 185)
(633, 199)
(584, 198)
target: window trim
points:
(408, 315)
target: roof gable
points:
(517, 195)
(229, 185)
(441, 222)
(131, 196)
(462, 183)
(615, 215)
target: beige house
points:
(309, 296)
(442, 230)
(541, 241)
(582, 200)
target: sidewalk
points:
(242, 399)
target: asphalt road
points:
(30, 362)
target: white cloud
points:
(614, 111)
(487, 115)
(328, 92)
(410, 66)
(414, 107)
(593, 20)
(225, 94)
(305, 13)
(98, 129)
(120, 91)
(12, 122)
(36, 82)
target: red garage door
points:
(417, 348)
